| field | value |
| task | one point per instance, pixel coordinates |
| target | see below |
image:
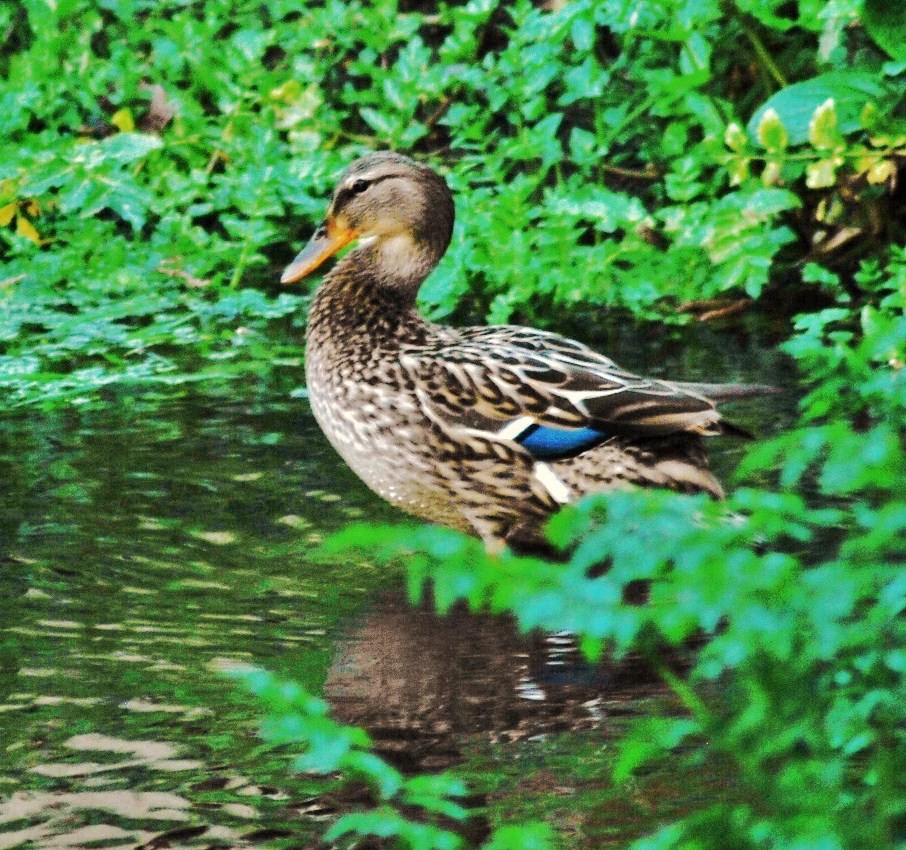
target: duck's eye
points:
(359, 186)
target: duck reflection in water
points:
(423, 684)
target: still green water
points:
(144, 540)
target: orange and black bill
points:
(324, 243)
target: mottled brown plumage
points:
(485, 429)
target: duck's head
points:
(400, 210)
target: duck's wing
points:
(554, 396)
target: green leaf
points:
(823, 173)
(388, 823)
(649, 739)
(857, 461)
(738, 170)
(527, 836)
(582, 33)
(128, 147)
(583, 146)
(735, 138)
(440, 784)
(822, 129)
(796, 104)
(770, 132)
(384, 823)
(387, 778)
(886, 24)
(379, 122)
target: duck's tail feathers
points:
(727, 392)
(731, 429)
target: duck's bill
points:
(323, 245)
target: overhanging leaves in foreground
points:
(298, 719)
(800, 687)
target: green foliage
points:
(886, 26)
(295, 717)
(186, 148)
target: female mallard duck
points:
(486, 429)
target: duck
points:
(487, 429)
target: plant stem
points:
(241, 263)
(691, 700)
(765, 58)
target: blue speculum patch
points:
(547, 443)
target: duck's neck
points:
(371, 292)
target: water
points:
(142, 541)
